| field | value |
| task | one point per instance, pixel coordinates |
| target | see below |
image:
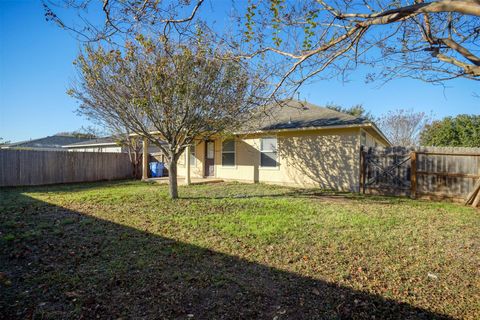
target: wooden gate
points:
(386, 171)
(431, 172)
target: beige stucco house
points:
(296, 144)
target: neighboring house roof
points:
(47, 143)
(99, 142)
(300, 115)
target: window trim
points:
(234, 166)
(277, 167)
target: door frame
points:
(205, 166)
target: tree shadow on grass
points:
(57, 264)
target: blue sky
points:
(36, 69)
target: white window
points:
(363, 138)
(268, 152)
(193, 159)
(228, 153)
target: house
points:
(50, 143)
(293, 143)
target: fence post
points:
(413, 174)
(364, 170)
(361, 171)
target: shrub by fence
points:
(28, 167)
(433, 172)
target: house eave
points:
(350, 126)
(380, 133)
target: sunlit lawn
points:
(233, 251)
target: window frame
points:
(277, 160)
(234, 153)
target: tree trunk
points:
(172, 177)
(134, 170)
(137, 172)
(138, 164)
(135, 158)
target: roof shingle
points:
(294, 114)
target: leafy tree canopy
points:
(460, 131)
(169, 94)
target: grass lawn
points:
(233, 251)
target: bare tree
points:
(168, 94)
(403, 127)
(302, 40)
(122, 19)
(432, 41)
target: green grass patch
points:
(233, 250)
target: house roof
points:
(55, 142)
(94, 142)
(294, 115)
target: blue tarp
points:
(156, 168)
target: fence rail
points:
(432, 172)
(28, 167)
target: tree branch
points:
(462, 50)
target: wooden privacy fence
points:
(432, 172)
(28, 167)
